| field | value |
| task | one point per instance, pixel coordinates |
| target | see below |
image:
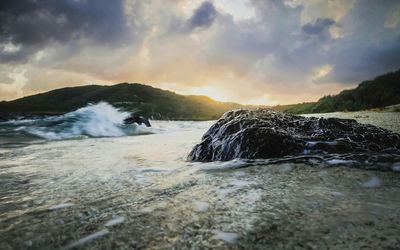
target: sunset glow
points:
(246, 51)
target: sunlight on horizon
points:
(218, 94)
(246, 51)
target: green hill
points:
(380, 92)
(146, 100)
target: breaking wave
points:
(94, 120)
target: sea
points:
(86, 180)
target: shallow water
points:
(383, 119)
(137, 191)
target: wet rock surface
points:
(137, 119)
(263, 134)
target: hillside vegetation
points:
(380, 92)
(144, 99)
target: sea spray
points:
(94, 120)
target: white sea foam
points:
(396, 167)
(337, 194)
(114, 222)
(286, 167)
(374, 182)
(19, 122)
(226, 236)
(200, 206)
(146, 210)
(338, 162)
(236, 163)
(223, 192)
(61, 206)
(234, 186)
(239, 183)
(323, 174)
(87, 239)
(253, 196)
(239, 174)
(94, 120)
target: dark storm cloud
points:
(320, 26)
(363, 48)
(17, 56)
(309, 47)
(368, 48)
(31, 25)
(356, 63)
(204, 16)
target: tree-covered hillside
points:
(144, 99)
(162, 104)
(382, 91)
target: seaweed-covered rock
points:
(263, 133)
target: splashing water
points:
(138, 192)
(94, 120)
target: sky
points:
(248, 51)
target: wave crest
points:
(94, 120)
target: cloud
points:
(204, 16)
(278, 52)
(318, 28)
(354, 63)
(367, 48)
(31, 25)
(393, 18)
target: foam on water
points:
(200, 206)
(87, 239)
(338, 162)
(226, 236)
(396, 167)
(374, 182)
(141, 186)
(239, 183)
(114, 222)
(61, 206)
(94, 120)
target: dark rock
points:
(2, 119)
(137, 119)
(262, 133)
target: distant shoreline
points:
(381, 92)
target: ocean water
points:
(84, 179)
